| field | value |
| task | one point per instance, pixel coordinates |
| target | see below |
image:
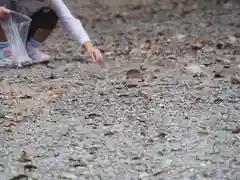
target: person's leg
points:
(43, 23)
(2, 35)
(5, 51)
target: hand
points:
(93, 52)
(4, 12)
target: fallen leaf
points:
(92, 115)
(133, 74)
(26, 97)
(161, 172)
(202, 39)
(29, 167)
(109, 134)
(20, 177)
(131, 86)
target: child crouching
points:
(45, 15)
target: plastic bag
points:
(16, 29)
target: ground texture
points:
(164, 105)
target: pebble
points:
(218, 72)
(2, 113)
(232, 39)
(25, 157)
(143, 175)
(223, 61)
(162, 105)
(235, 80)
(67, 175)
(197, 46)
(179, 37)
(237, 34)
(2, 167)
(195, 69)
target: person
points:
(45, 15)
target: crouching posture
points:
(45, 15)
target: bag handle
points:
(18, 17)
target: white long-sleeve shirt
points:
(70, 23)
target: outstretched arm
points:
(75, 28)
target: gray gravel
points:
(178, 118)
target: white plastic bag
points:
(16, 29)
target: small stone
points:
(237, 57)
(235, 80)
(25, 157)
(195, 69)
(176, 147)
(77, 162)
(109, 133)
(179, 37)
(197, 46)
(223, 61)
(236, 130)
(218, 72)
(29, 167)
(162, 135)
(237, 34)
(232, 39)
(166, 163)
(218, 75)
(52, 76)
(161, 105)
(220, 45)
(2, 168)
(129, 86)
(2, 114)
(69, 176)
(50, 66)
(143, 175)
(203, 164)
(218, 100)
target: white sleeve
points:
(73, 25)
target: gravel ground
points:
(164, 105)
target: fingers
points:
(94, 59)
(96, 56)
(100, 56)
(4, 12)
